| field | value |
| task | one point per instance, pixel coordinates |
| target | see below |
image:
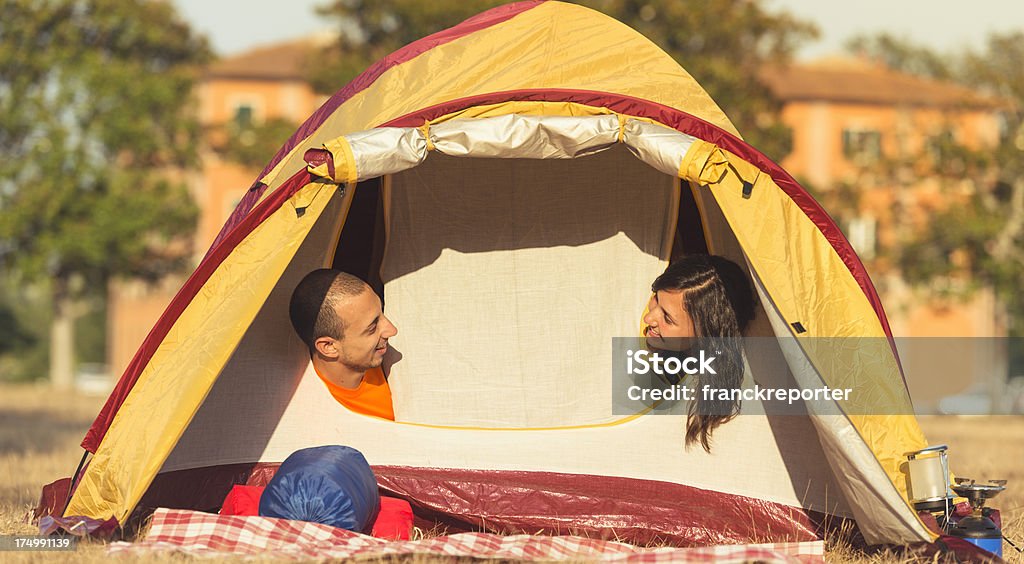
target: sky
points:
(945, 25)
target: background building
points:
(867, 141)
(863, 140)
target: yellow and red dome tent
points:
(511, 186)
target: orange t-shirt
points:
(371, 397)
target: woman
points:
(703, 300)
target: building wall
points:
(818, 126)
(289, 99)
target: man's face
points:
(367, 331)
(669, 326)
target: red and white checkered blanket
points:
(205, 534)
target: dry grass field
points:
(40, 432)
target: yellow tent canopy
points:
(494, 182)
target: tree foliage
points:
(902, 54)
(95, 100)
(13, 335)
(92, 112)
(23, 346)
(724, 45)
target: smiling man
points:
(340, 319)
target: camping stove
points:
(978, 528)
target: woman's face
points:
(669, 326)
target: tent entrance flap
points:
(510, 277)
(360, 246)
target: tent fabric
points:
(861, 465)
(181, 370)
(381, 151)
(758, 492)
(421, 143)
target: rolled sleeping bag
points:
(331, 484)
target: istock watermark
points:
(646, 361)
(788, 395)
(824, 376)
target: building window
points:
(245, 110)
(243, 116)
(862, 146)
(941, 146)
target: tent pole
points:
(74, 482)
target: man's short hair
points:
(313, 303)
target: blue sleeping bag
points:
(332, 485)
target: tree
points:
(902, 55)
(95, 100)
(23, 345)
(1000, 70)
(724, 45)
(13, 335)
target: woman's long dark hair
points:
(720, 301)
